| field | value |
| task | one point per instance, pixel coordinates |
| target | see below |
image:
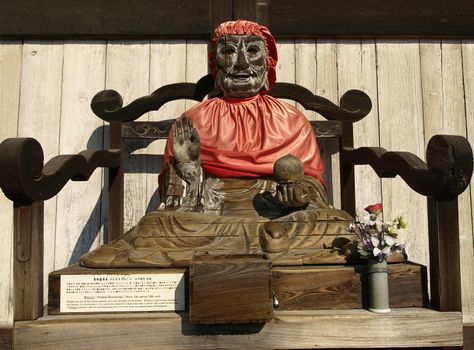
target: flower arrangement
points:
(377, 238)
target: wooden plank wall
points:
(418, 89)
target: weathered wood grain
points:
(468, 335)
(230, 289)
(288, 330)
(10, 75)
(345, 287)
(296, 288)
(182, 18)
(305, 71)
(326, 86)
(355, 70)
(186, 18)
(6, 336)
(445, 273)
(128, 65)
(467, 254)
(78, 222)
(316, 288)
(39, 116)
(401, 129)
(55, 65)
(28, 264)
(285, 70)
(443, 90)
(196, 63)
(164, 54)
(370, 18)
(446, 173)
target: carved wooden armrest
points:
(446, 173)
(25, 178)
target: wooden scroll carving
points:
(446, 173)
(160, 129)
(24, 178)
(355, 104)
(107, 104)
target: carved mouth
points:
(240, 76)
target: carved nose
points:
(242, 61)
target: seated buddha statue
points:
(241, 173)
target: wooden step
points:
(349, 329)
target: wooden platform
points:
(409, 328)
(303, 287)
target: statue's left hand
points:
(292, 195)
(186, 143)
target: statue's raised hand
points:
(186, 144)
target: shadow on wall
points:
(150, 164)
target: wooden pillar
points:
(28, 260)
(445, 271)
(116, 181)
(347, 171)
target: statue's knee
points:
(274, 238)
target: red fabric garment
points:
(244, 137)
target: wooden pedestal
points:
(346, 287)
(220, 284)
(230, 289)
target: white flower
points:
(389, 240)
(376, 251)
(386, 251)
(375, 241)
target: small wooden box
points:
(230, 289)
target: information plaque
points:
(122, 292)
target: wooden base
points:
(345, 287)
(6, 336)
(230, 289)
(408, 328)
(304, 287)
(468, 333)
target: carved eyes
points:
(251, 50)
(229, 51)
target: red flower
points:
(374, 209)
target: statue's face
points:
(241, 65)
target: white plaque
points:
(117, 293)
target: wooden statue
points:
(241, 173)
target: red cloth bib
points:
(244, 137)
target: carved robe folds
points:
(224, 211)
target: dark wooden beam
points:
(28, 260)
(445, 265)
(348, 196)
(6, 337)
(116, 186)
(102, 19)
(372, 18)
(24, 177)
(221, 11)
(468, 332)
(59, 19)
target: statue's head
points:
(243, 58)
